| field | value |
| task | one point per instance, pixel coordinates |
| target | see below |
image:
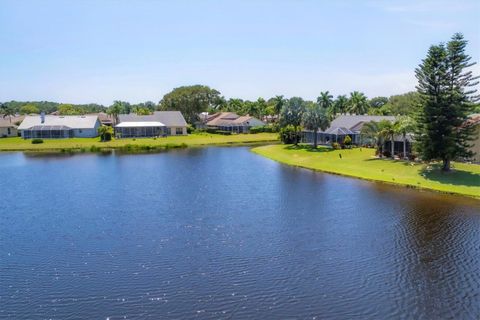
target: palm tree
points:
(325, 100)
(388, 130)
(114, 110)
(370, 130)
(7, 111)
(278, 103)
(376, 131)
(403, 126)
(340, 104)
(358, 103)
(314, 118)
(105, 132)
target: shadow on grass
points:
(454, 177)
(400, 161)
(309, 148)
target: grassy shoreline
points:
(140, 144)
(361, 163)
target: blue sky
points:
(100, 51)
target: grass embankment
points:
(140, 144)
(464, 179)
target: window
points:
(178, 130)
(9, 131)
(168, 131)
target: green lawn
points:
(197, 139)
(361, 163)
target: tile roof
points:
(225, 119)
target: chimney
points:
(42, 117)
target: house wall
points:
(87, 133)
(255, 123)
(173, 131)
(4, 132)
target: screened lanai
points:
(139, 129)
(48, 132)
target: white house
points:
(57, 127)
(160, 123)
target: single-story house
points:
(230, 121)
(57, 127)
(342, 126)
(351, 125)
(160, 123)
(8, 129)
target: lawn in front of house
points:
(361, 163)
(195, 139)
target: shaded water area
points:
(217, 233)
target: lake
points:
(213, 233)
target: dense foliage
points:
(444, 83)
(191, 101)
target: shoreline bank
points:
(360, 163)
(80, 145)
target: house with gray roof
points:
(58, 127)
(159, 123)
(342, 126)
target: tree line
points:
(192, 100)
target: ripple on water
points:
(264, 241)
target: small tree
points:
(347, 141)
(315, 117)
(106, 133)
(7, 111)
(292, 113)
(388, 131)
(403, 126)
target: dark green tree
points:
(315, 117)
(292, 113)
(278, 103)
(325, 100)
(445, 85)
(377, 102)
(340, 105)
(7, 111)
(192, 100)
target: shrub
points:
(267, 128)
(190, 129)
(387, 154)
(336, 146)
(257, 129)
(37, 141)
(288, 135)
(347, 141)
(211, 130)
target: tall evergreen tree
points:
(447, 99)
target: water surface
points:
(218, 233)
